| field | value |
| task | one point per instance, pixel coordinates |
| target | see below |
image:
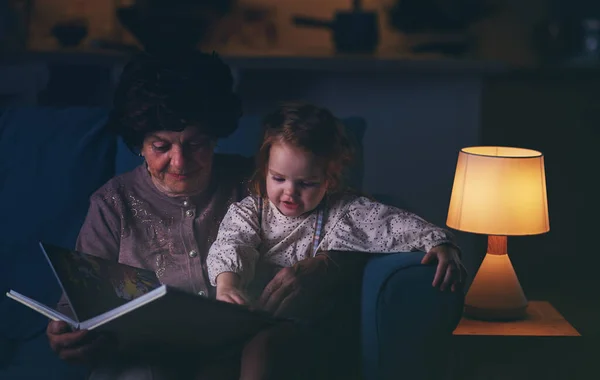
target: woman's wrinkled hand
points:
(299, 290)
(450, 272)
(82, 346)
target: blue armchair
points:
(67, 153)
(406, 322)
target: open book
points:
(131, 304)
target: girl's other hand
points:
(450, 273)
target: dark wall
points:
(557, 113)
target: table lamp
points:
(500, 192)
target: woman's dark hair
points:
(313, 129)
(172, 92)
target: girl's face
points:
(179, 163)
(295, 180)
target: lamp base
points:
(496, 293)
(484, 314)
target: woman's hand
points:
(83, 346)
(450, 271)
(299, 289)
(228, 289)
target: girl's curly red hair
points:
(310, 128)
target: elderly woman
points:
(165, 214)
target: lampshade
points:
(499, 191)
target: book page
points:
(94, 285)
(41, 308)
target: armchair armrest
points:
(406, 322)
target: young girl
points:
(300, 208)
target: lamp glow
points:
(500, 192)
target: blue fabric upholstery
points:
(245, 140)
(51, 160)
(34, 360)
(406, 322)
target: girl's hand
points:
(450, 271)
(231, 294)
(228, 289)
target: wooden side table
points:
(543, 345)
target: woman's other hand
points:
(82, 346)
(450, 272)
(299, 289)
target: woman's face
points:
(179, 163)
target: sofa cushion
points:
(33, 359)
(51, 160)
(7, 349)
